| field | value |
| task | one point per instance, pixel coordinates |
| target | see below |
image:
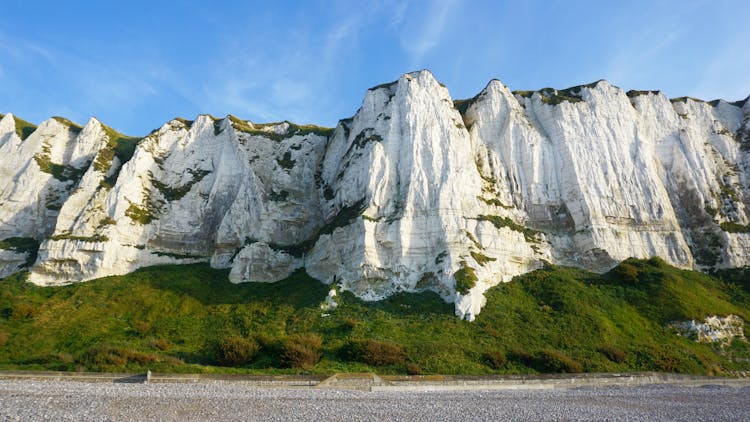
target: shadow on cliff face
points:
(705, 238)
(46, 209)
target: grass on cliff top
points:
(23, 128)
(191, 319)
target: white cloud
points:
(286, 83)
(424, 27)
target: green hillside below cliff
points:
(191, 319)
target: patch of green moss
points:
(93, 238)
(241, 125)
(473, 239)
(278, 196)
(23, 128)
(365, 137)
(465, 278)
(494, 202)
(481, 259)
(634, 93)
(286, 161)
(727, 192)
(259, 129)
(187, 124)
(732, 227)
(529, 234)
(524, 94)
(685, 100)
(172, 193)
(118, 145)
(63, 173)
(143, 215)
(554, 97)
(177, 255)
(74, 127)
(385, 85)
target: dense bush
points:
(103, 357)
(556, 361)
(496, 359)
(552, 361)
(612, 352)
(235, 351)
(373, 352)
(165, 319)
(625, 273)
(161, 344)
(3, 338)
(413, 369)
(301, 351)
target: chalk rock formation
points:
(415, 192)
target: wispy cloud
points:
(89, 85)
(423, 28)
(286, 83)
(630, 60)
(725, 74)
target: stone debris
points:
(713, 329)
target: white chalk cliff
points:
(415, 192)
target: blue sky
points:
(136, 64)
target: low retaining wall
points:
(552, 381)
(393, 383)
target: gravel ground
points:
(61, 400)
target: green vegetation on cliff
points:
(191, 319)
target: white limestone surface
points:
(413, 192)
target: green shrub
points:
(266, 341)
(23, 311)
(549, 361)
(732, 227)
(3, 338)
(413, 369)
(236, 351)
(141, 327)
(103, 357)
(350, 323)
(302, 351)
(612, 352)
(376, 353)
(181, 306)
(496, 359)
(162, 344)
(521, 356)
(625, 273)
(556, 361)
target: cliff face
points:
(414, 192)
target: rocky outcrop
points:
(713, 329)
(415, 192)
